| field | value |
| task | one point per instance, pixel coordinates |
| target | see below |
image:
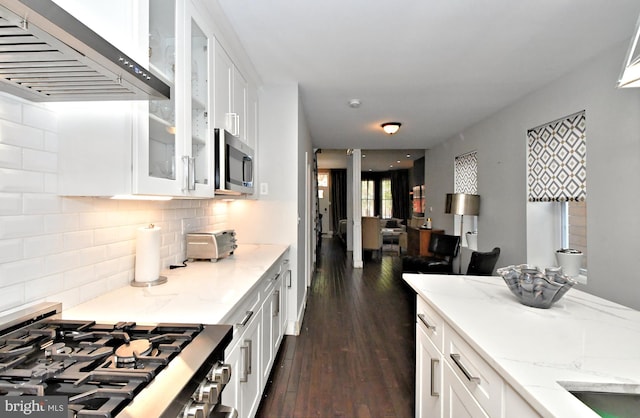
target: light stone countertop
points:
(581, 338)
(203, 292)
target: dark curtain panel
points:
(338, 197)
(400, 194)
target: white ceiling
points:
(371, 160)
(437, 66)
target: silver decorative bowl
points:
(536, 288)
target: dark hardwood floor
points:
(355, 355)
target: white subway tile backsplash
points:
(60, 222)
(10, 156)
(39, 117)
(77, 240)
(79, 277)
(94, 289)
(10, 108)
(71, 249)
(39, 203)
(21, 181)
(12, 296)
(51, 142)
(21, 226)
(10, 204)
(37, 160)
(61, 262)
(11, 250)
(51, 183)
(43, 286)
(43, 245)
(21, 136)
(21, 271)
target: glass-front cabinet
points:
(176, 158)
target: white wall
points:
(613, 171)
(64, 249)
(273, 218)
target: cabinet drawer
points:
(478, 377)
(431, 322)
(242, 315)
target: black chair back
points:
(444, 246)
(482, 264)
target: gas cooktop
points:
(102, 367)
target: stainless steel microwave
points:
(233, 164)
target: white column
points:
(356, 197)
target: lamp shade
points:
(391, 127)
(462, 204)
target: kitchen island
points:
(582, 340)
(202, 292)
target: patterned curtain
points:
(557, 160)
(466, 173)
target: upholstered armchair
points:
(372, 234)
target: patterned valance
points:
(557, 160)
(466, 173)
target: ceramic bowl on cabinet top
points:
(536, 288)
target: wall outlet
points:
(264, 188)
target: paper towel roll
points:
(147, 254)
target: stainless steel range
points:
(113, 370)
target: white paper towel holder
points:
(159, 280)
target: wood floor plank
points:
(355, 355)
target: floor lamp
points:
(462, 204)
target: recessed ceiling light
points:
(408, 155)
(354, 103)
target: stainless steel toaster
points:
(211, 245)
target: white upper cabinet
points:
(161, 147)
(231, 87)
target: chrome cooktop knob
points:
(220, 373)
(208, 392)
(196, 410)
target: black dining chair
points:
(444, 248)
(483, 263)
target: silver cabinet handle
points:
(189, 173)
(434, 364)
(276, 306)
(244, 374)
(426, 323)
(288, 278)
(246, 319)
(463, 369)
(192, 173)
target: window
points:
(466, 173)
(387, 201)
(557, 154)
(574, 228)
(323, 179)
(368, 198)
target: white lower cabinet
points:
(458, 401)
(244, 389)
(453, 380)
(257, 333)
(271, 325)
(428, 376)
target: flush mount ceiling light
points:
(391, 127)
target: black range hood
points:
(47, 55)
